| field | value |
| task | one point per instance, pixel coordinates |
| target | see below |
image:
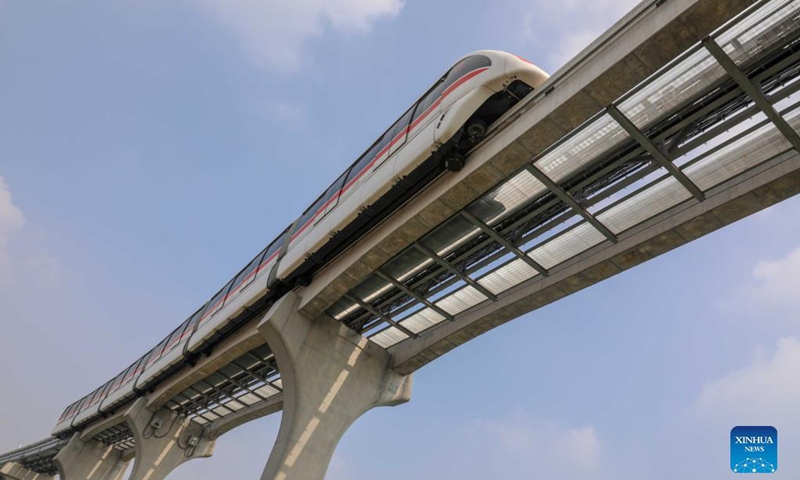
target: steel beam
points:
(753, 91)
(654, 152)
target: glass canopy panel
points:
(371, 288)
(672, 88)
(761, 30)
(582, 148)
(644, 205)
(501, 201)
(450, 235)
(511, 274)
(567, 245)
(388, 337)
(407, 264)
(740, 155)
(460, 300)
(342, 308)
(422, 320)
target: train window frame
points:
(450, 78)
(362, 163)
(337, 188)
(251, 271)
(394, 130)
(429, 94)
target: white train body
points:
(431, 126)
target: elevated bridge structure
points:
(679, 120)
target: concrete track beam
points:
(164, 441)
(331, 376)
(15, 471)
(89, 460)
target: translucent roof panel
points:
(501, 201)
(342, 308)
(460, 300)
(759, 31)
(422, 320)
(672, 88)
(371, 288)
(388, 337)
(582, 148)
(450, 235)
(407, 264)
(511, 274)
(644, 205)
(567, 245)
(741, 155)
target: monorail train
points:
(432, 136)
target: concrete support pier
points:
(89, 460)
(331, 376)
(15, 471)
(164, 441)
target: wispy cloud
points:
(764, 393)
(778, 281)
(273, 33)
(571, 453)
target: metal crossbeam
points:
(570, 201)
(655, 152)
(366, 306)
(399, 285)
(752, 91)
(444, 263)
(504, 242)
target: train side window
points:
(273, 247)
(195, 318)
(106, 389)
(216, 302)
(156, 353)
(428, 99)
(400, 125)
(364, 160)
(175, 336)
(308, 215)
(139, 365)
(249, 272)
(83, 404)
(332, 195)
(464, 67)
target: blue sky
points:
(149, 149)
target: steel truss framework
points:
(37, 456)
(722, 108)
(249, 379)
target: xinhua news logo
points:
(754, 450)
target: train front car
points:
(479, 89)
(437, 131)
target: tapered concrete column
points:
(89, 460)
(15, 471)
(164, 441)
(331, 376)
